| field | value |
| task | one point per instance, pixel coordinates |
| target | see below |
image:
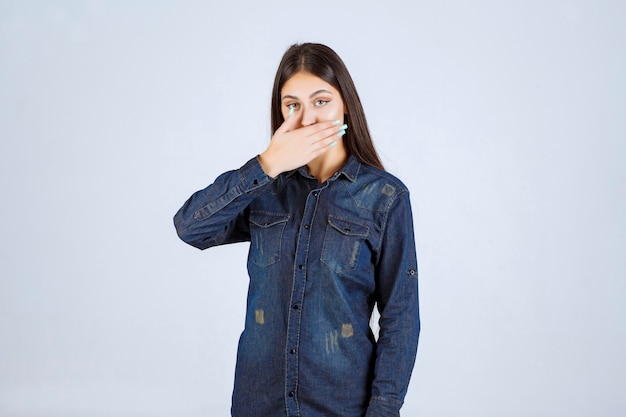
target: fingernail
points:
(336, 122)
(332, 144)
(344, 127)
(290, 112)
(341, 133)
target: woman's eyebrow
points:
(319, 92)
(288, 96)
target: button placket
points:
(297, 299)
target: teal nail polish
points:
(336, 122)
(341, 133)
(290, 112)
(344, 127)
(332, 144)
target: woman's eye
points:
(320, 103)
(292, 106)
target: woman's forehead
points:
(305, 83)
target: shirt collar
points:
(350, 170)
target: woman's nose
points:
(308, 117)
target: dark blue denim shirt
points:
(321, 256)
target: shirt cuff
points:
(252, 175)
(383, 407)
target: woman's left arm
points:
(397, 297)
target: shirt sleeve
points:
(216, 215)
(397, 297)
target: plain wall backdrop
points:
(506, 119)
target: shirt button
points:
(300, 266)
(292, 351)
(295, 306)
(306, 226)
(291, 394)
(315, 194)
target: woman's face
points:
(312, 99)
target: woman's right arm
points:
(216, 215)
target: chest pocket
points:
(342, 243)
(266, 233)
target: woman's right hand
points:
(292, 147)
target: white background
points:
(506, 119)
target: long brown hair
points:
(323, 62)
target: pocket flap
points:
(348, 227)
(267, 219)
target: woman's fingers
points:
(292, 123)
(324, 140)
(322, 128)
(322, 146)
(334, 130)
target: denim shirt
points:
(321, 255)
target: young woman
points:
(331, 234)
